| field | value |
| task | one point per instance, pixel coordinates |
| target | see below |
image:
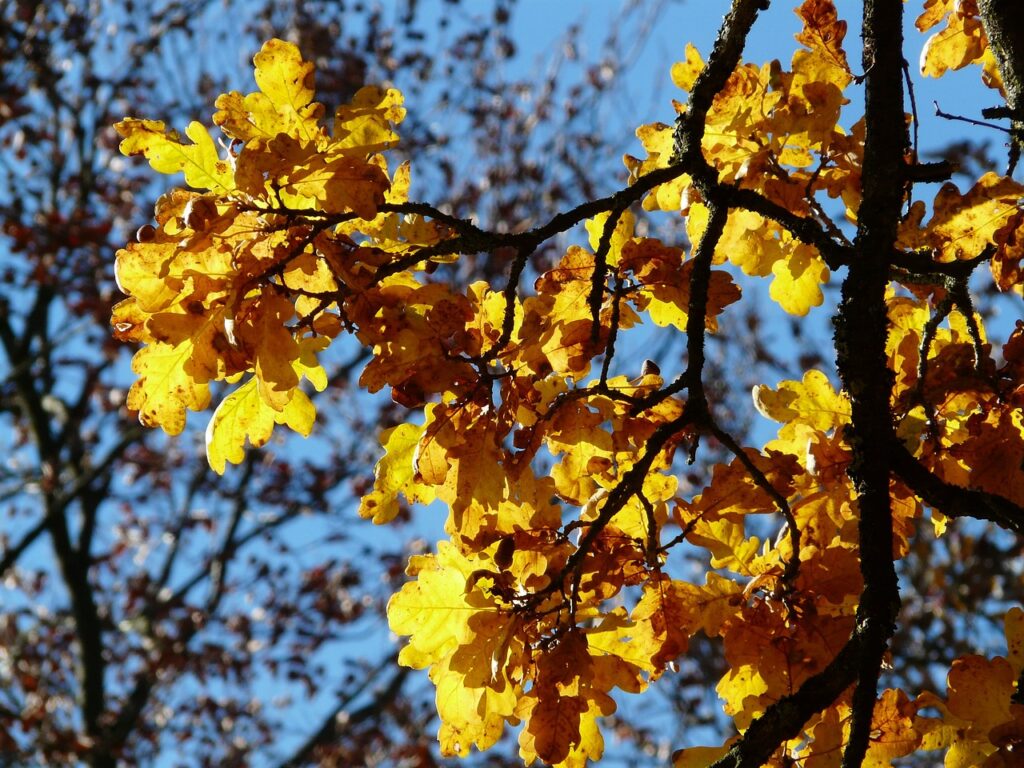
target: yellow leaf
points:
(458, 453)
(260, 330)
(962, 225)
(364, 125)
(306, 364)
(283, 105)
(129, 321)
(826, 748)
(962, 42)
(806, 119)
(934, 12)
(244, 415)
(732, 489)
(697, 757)
(395, 473)
(665, 283)
(615, 637)
(298, 415)
(175, 368)
(728, 543)
(719, 600)
(474, 694)
(620, 235)
(307, 274)
(741, 688)
(632, 518)
(658, 141)
(144, 271)
(750, 241)
(471, 715)
(668, 309)
(164, 390)
(814, 100)
(200, 162)
(993, 452)
(284, 77)
(811, 401)
(798, 280)
(823, 31)
(559, 319)
(166, 270)
(433, 609)
(770, 656)
(576, 432)
(303, 177)
(892, 730)
(980, 691)
(741, 113)
(667, 615)
(684, 73)
(456, 629)
(970, 754)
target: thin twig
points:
(971, 121)
(792, 568)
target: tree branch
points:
(860, 339)
(11, 555)
(333, 726)
(953, 500)
(784, 719)
(1003, 21)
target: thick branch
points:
(861, 333)
(18, 353)
(953, 500)
(74, 567)
(697, 309)
(1004, 26)
(472, 240)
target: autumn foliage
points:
(561, 475)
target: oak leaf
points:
(811, 401)
(962, 225)
(798, 280)
(960, 43)
(245, 415)
(175, 369)
(199, 161)
(284, 104)
(395, 473)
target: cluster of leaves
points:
(191, 277)
(126, 569)
(564, 505)
(150, 607)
